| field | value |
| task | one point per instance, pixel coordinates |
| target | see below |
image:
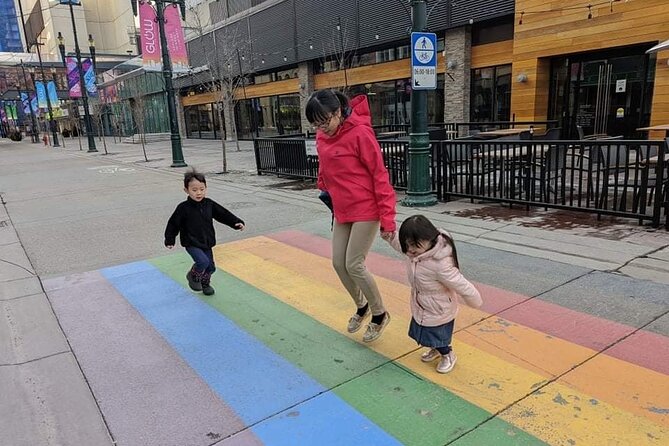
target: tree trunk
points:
(223, 148)
(230, 122)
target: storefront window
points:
(268, 116)
(491, 94)
(202, 121)
(390, 102)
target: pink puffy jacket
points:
(436, 284)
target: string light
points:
(572, 8)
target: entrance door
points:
(602, 93)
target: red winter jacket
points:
(351, 169)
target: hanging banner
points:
(53, 94)
(176, 44)
(26, 103)
(41, 94)
(89, 78)
(150, 37)
(73, 84)
(10, 110)
(33, 103)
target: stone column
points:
(305, 74)
(457, 86)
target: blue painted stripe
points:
(253, 380)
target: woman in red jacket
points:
(351, 170)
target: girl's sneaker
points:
(447, 362)
(430, 355)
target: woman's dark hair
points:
(193, 175)
(323, 103)
(417, 229)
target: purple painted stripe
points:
(147, 393)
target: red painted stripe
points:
(645, 348)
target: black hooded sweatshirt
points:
(194, 222)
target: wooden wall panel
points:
(491, 54)
(660, 108)
(545, 35)
(388, 71)
(287, 86)
(202, 98)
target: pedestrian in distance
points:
(352, 171)
(193, 219)
(436, 285)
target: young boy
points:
(193, 220)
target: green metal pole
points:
(177, 152)
(419, 191)
(82, 85)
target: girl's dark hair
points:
(323, 103)
(193, 175)
(417, 229)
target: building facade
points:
(583, 65)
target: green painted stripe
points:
(414, 411)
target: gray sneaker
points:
(355, 322)
(447, 362)
(374, 330)
(430, 355)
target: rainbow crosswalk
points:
(267, 360)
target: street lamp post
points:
(29, 43)
(34, 134)
(82, 83)
(419, 190)
(177, 152)
(52, 122)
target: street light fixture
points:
(34, 134)
(82, 83)
(175, 138)
(37, 44)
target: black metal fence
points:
(604, 177)
(285, 157)
(620, 178)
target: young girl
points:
(436, 283)
(193, 220)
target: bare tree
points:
(225, 75)
(138, 111)
(99, 109)
(339, 48)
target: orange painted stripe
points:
(481, 378)
(545, 355)
(644, 348)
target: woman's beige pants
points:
(350, 244)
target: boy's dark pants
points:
(204, 262)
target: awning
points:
(659, 47)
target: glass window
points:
(491, 94)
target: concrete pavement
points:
(574, 329)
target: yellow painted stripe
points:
(630, 387)
(481, 378)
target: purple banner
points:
(73, 83)
(89, 78)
